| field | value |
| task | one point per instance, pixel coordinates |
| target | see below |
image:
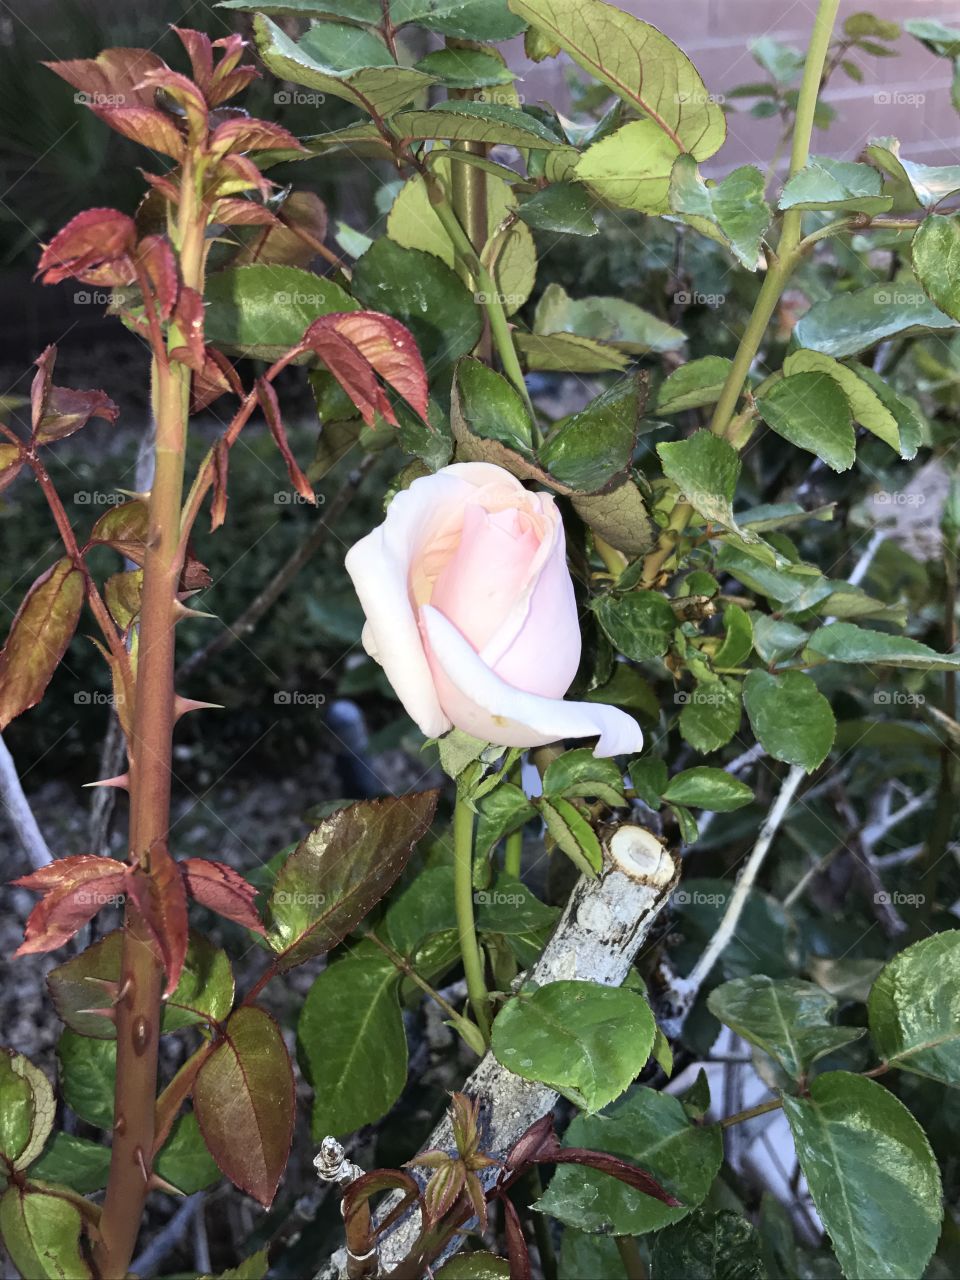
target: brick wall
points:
(907, 96)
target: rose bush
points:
(471, 613)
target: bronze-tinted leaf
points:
(271, 411)
(83, 988)
(11, 461)
(162, 901)
(93, 240)
(115, 75)
(218, 505)
(244, 1101)
(74, 890)
(57, 412)
(298, 230)
(342, 869)
(219, 887)
(356, 346)
(151, 128)
(157, 260)
(38, 638)
(121, 594)
(214, 379)
(243, 133)
(188, 317)
(124, 527)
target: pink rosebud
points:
(470, 611)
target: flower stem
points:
(463, 905)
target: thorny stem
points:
(463, 905)
(150, 751)
(778, 274)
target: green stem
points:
(512, 854)
(463, 905)
(773, 1105)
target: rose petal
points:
(477, 700)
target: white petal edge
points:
(525, 719)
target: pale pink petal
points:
(478, 701)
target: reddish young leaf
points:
(244, 1101)
(362, 1189)
(299, 230)
(247, 134)
(215, 379)
(94, 239)
(357, 345)
(271, 411)
(157, 260)
(237, 173)
(167, 188)
(229, 77)
(113, 79)
(194, 576)
(162, 901)
(124, 527)
(235, 211)
(74, 890)
(182, 91)
(199, 49)
(146, 125)
(218, 506)
(188, 317)
(57, 412)
(219, 887)
(517, 1250)
(38, 638)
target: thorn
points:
(135, 495)
(182, 705)
(123, 990)
(121, 780)
(110, 1013)
(143, 1166)
(180, 611)
(156, 1183)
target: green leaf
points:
(502, 811)
(244, 1102)
(580, 773)
(562, 207)
(914, 1009)
(852, 322)
(782, 62)
(705, 788)
(421, 292)
(738, 637)
(825, 183)
(791, 718)
(652, 1130)
(811, 411)
(205, 990)
(638, 63)
(620, 516)
(760, 943)
(254, 1267)
(936, 36)
(905, 413)
(709, 1246)
(846, 642)
(689, 831)
(41, 1232)
(475, 1266)
(263, 310)
(76, 1162)
(342, 869)
(465, 68)
(573, 834)
(88, 1070)
(582, 1254)
(586, 1041)
(735, 207)
(468, 121)
(352, 1042)
(696, 383)
(380, 89)
(640, 624)
(649, 777)
(872, 1175)
(858, 25)
(631, 168)
(865, 404)
(27, 1109)
(609, 320)
(705, 469)
(936, 261)
(567, 353)
(510, 908)
(491, 407)
(588, 450)
(929, 183)
(788, 1018)
(711, 714)
(775, 639)
(184, 1160)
